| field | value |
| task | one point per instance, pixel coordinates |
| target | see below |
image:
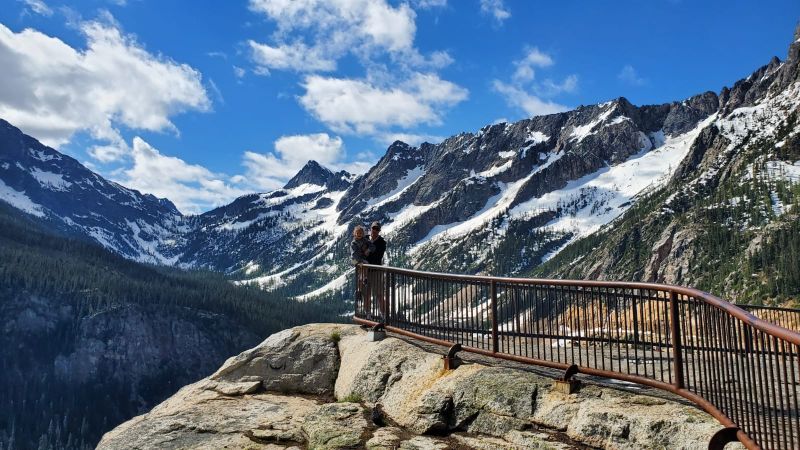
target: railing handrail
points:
(670, 296)
(728, 307)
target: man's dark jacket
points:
(376, 257)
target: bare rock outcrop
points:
(252, 402)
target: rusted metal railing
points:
(742, 370)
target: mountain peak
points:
(315, 173)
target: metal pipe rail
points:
(742, 370)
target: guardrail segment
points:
(743, 370)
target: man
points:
(376, 257)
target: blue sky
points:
(203, 101)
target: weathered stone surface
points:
(335, 425)
(521, 441)
(476, 405)
(231, 388)
(535, 440)
(424, 443)
(386, 438)
(197, 417)
(623, 421)
(301, 360)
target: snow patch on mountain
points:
(410, 177)
(50, 180)
(579, 133)
(596, 199)
(20, 201)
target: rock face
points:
(248, 403)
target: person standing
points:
(360, 249)
(376, 257)
(375, 237)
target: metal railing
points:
(742, 370)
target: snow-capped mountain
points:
(728, 221)
(71, 198)
(502, 200)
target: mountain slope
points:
(91, 339)
(727, 221)
(70, 198)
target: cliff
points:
(324, 386)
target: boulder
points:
(201, 418)
(303, 360)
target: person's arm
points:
(380, 249)
(355, 253)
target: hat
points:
(375, 225)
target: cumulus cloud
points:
(630, 76)
(527, 93)
(525, 67)
(497, 9)
(313, 35)
(51, 90)
(296, 56)
(360, 106)
(192, 188)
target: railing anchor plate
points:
(376, 333)
(566, 384)
(450, 359)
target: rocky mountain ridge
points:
(727, 219)
(502, 200)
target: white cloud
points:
(525, 67)
(297, 57)
(39, 7)
(430, 4)
(51, 90)
(239, 72)
(192, 188)
(109, 153)
(549, 87)
(220, 55)
(630, 76)
(495, 8)
(529, 95)
(313, 35)
(359, 106)
(531, 104)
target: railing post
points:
(493, 295)
(677, 348)
(357, 291)
(393, 300)
(385, 297)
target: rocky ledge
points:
(324, 386)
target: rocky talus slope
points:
(324, 386)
